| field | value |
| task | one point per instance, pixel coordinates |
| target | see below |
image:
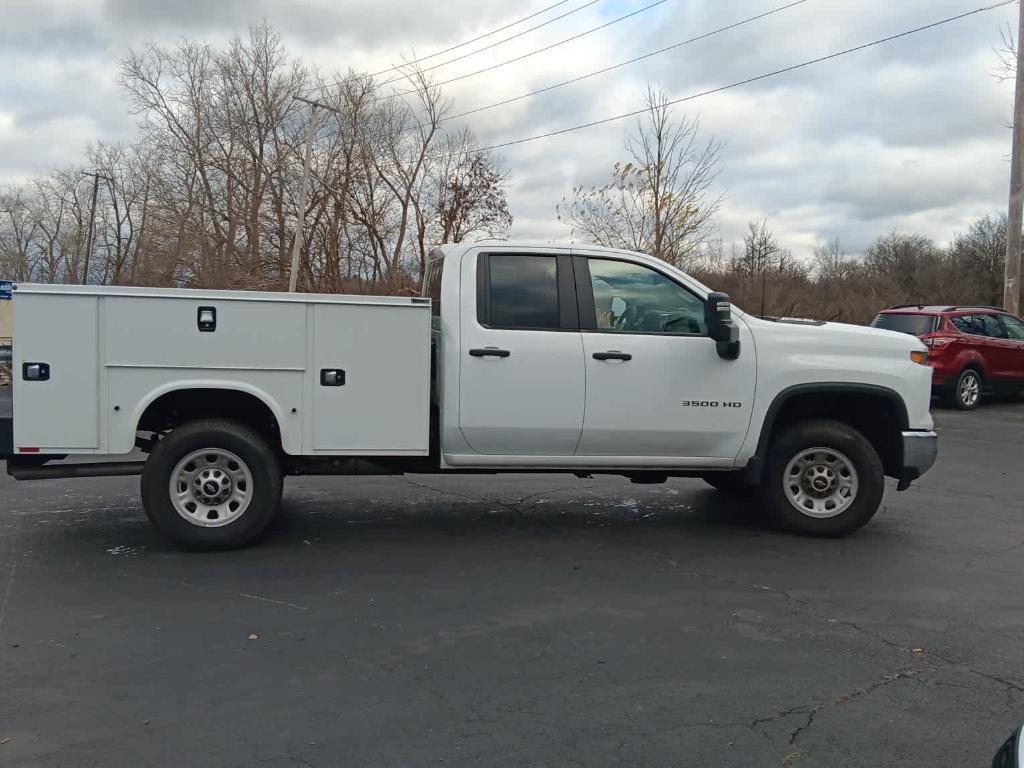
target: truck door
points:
(521, 374)
(656, 385)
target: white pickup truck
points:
(517, 358)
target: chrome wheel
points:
(211, 487)
(820, 482)
(970, 389)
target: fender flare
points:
(756, 463)
(229, 385)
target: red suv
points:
(970, 349)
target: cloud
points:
(909, 135)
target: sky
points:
(908, 136)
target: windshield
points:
(915, 325)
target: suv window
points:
(964, 324)
(990, 326)
(521, 292)
(1014, 327)
(915, 325)
(979, 325)
(631, 298)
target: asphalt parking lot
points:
(542, 621)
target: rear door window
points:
(966, 324)
(989, 326)
(521, 292)
(904, 322)
(979, 325)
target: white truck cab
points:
(519, 357)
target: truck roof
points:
(451, 248)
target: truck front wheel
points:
(822, 478)
(212, 484)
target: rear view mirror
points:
(720, 325)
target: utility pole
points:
(1011, 288)
(96, 176)
(293, 278)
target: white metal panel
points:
(60, 415)
(132, 390)
(790, 355)
(676, 397)
(384, 404)
(162, 331)
(530, 402)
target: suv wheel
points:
(822, 478)
(966, 393)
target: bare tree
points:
(979, 257)
(1006, 54)
(660, 200)
(19, 223)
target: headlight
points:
(921, 358)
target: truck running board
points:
(35, 471)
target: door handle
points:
(489, 352)
(332, 377)
(613, 355)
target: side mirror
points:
(721, 328)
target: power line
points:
(487, 47)
(625, 63)
(747, 81)
(533, 53)
(475, 39)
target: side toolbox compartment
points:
(371, 379)
(55, 373)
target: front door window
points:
(632, 298)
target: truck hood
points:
(856, 339)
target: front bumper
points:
(919, 452)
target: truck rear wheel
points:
(822, 478)
(212, 484)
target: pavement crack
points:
(795, 754)
(1009, 684)
(990, 555)
(515, 507)
(214, 590)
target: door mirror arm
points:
(721, 327)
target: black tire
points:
(215, 434)
(732, 483)
(828, 435)
(957, 397)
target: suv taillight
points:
(938, 342)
